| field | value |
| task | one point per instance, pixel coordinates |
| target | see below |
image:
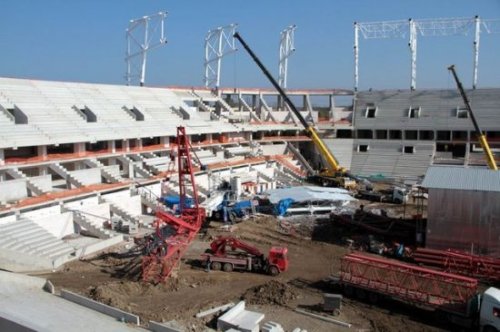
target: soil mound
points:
(273, 292)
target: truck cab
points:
(278, 260)
(489, 315)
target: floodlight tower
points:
(425, 28)
(287, 47)
(218, 43)
(140, 34)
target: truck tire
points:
(274, 271)
(227, 267)
(216, 266)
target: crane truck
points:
(334, 174)
(452, 296)
(490, 160)
(229, 253)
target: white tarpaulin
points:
(309, 193)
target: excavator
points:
(229, 253)
(490, 160)
(333, 174)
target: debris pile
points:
(273, 292)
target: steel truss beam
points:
(429, 27)
(287, 47)
(218, 43)
(140, 35)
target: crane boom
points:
(333, 165)
(490, 160)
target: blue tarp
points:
(282, 206)
(173, 200)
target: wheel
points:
(216, 266)
(274, 271)
(228, 267)
(336, 312)
(398, 201)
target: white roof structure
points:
(309, 193)
(461, 178)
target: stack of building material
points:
(482, 267)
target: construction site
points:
(139, 208)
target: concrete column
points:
(2, 157)
(78, 165)
(165, 141)
(111, 146)
(332, 106)
(79, 148)
(209, 138)
(43, 170)
(126, 145)
(138, 143)
(41, 151)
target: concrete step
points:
(60, 252)
(28, 245)
(21, 231)
(14, 224)
(35, 237)
(54, 247)
(42, 240)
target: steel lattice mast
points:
(140, 34)
(429, 27)
(287, 47)
(218, 43)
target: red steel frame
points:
(158, 265)
(486, 268)
(407, 282)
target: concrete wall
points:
(58, 225)
(88, 176)
(13, 190)
(52, 220)
(271, 149)
(44, 182)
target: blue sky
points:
(84, 40)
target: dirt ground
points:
(313, 256)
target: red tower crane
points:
(174, 233)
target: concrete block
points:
(171, 326)
(101, 245)
(272, 327)
(102, 308)
(240, 319)
(21, 280)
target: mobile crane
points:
(334, 174)
(244, 256)
(490, 160)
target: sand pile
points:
(273, 292)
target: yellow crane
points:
(334, 173)
(490, 160)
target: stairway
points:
(137, 168)
(26, 237)
(91, 226)
(300, 158)
(105, 173)
(127, 216)
(63, 172)
(33, 187)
